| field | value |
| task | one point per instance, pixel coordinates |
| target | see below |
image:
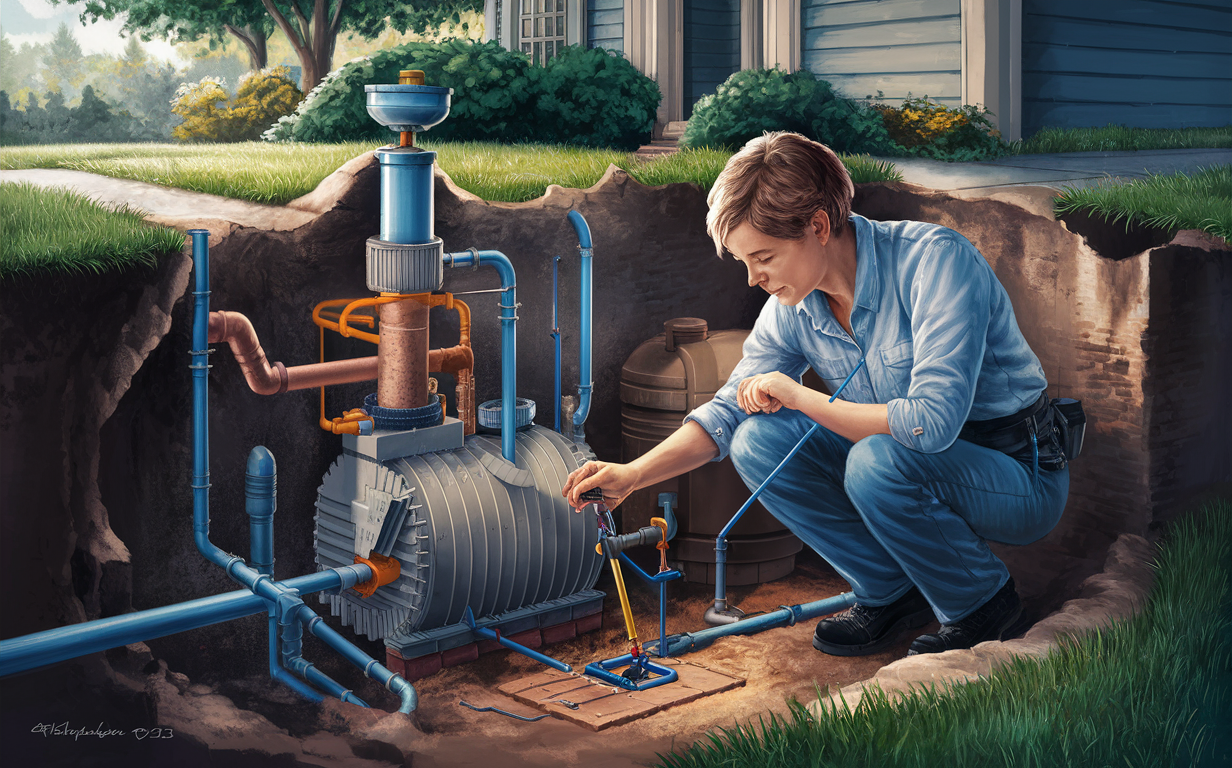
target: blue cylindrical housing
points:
(260, 501)
(407, 207)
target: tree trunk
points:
(254, 43)
(313, 39)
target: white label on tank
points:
(368, 518)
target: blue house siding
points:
(711, 47)
(605, 24)
(893, 46)
(1142, 63)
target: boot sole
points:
(1010, 623)
(892, 635)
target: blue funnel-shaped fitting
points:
(407, 107)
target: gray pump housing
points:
(468, 527)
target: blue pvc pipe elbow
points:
(509, 336)
(581, 228)
(585, 380)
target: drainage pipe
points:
(585, 384)
(786, 616)
(260, 501)
(40, 649)
(556, 332)
(509, 333)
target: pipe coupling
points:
(396, 268)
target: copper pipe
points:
(402, 356)
(238, 333)
(333, 372)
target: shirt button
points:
(918, 431)
(718, 431)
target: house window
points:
(542, 30)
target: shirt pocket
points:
(831, 371)
(896, 362)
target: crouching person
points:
(941, 440)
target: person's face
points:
(789, 270)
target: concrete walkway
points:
(1074, 169)
(1077, 169)
(159, 202)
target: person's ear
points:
(821, 226)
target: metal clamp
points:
(475, 258)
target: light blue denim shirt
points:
(935, 326)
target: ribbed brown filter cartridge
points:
(402, 357)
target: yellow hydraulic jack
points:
(639, 669)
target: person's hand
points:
(767, 393)
(616, 480)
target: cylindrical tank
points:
(664, 379)
(469, 529)
(407, 206)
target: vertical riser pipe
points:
(585, 384)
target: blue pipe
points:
(488, 634)
(585, 384)
(720, 544)
(667, 501)
(509, 334)
(283, 676)
(786, 616)
(260, 501)
(556, 331)
(395, 684)
(41, 649)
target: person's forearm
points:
(684, 450)
(854, 421)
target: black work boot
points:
(862, 629)
(988, 622)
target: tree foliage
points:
(312, 26)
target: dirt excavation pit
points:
(1135, 336)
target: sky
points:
(35, 21)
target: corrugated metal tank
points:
(478, 531)
(664, 379)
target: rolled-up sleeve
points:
(771, 346)
(950, 299)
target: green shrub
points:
(490, 98)
(593, 98)
(753, 101)
(929, 129)
(210, 115)
(263, 97)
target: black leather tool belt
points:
(1012, 435)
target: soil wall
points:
(95, 426)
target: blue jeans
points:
(887, 516)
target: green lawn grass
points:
(1118, 138)
(278, 173)
(52, 230)
(1201, 201)
(1155, 690)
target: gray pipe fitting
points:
(396, 268)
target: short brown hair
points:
(777, 183)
